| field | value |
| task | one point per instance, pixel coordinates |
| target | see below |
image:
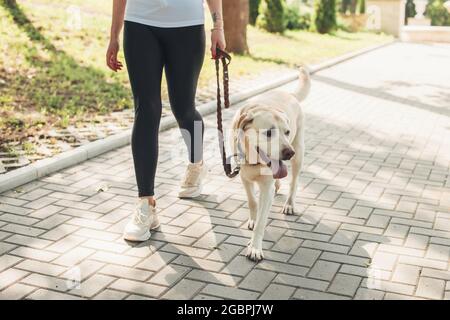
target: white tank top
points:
(165, 13)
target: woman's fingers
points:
(110, 61)
(222, 45)
(114, 64)
(217, 40)
(111, 57)
(213, 46)
(213, 49)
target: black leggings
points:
(180, 51)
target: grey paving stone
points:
(92, 286)
(305, 294)
(282, 267)
(74, 256)
(305, 257)
(396, 296)
(239, 266)
(185, 289)
(28, 241)
(325, 246)
(7, 261)
(345, 284)
(199, 263)
(369, 294)
(324, 270)
(406, 274)
(16, 292)
(47, 282)
(388, 286)
(110, 295)
(156, 261)
(277, 292)
(169, 275)
(41, 267)
(126, 272)
(430, 288)
(43, 294)
(36, 254)
(229, 293)
(287, 245)
(301, 282)
(344, 237)
(138, 287)
(213, 277)
(10, 276)
(257, 280)
(224, 252)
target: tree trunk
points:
(10, 3)
(235, 14)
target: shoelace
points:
(140, 218)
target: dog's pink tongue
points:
(279, 169)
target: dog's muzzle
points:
(287, 154)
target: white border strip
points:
(44, 167)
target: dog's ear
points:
(244, 119)
(239, 126)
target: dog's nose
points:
(287, 154)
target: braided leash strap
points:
(225, 58)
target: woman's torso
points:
(165, 13)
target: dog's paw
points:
(288, 208)
(254, 254)
(250, 224)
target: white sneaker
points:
(143, 220)
(191, 186)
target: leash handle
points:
(225, 58)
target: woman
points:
(161, 34)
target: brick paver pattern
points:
(373, 218)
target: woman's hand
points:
(217, 40)
(111, 56)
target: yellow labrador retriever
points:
(267, 131)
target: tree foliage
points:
(325, 15)
(271, 16)
(254, 11)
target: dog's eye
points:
(287, 132)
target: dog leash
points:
(225, 58)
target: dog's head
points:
(264, 138)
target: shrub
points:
(271, 16)
(437, 13)
(410, 10)
(362, 6)
(348, 5)
(305, 21)
(254, 11)
(294, 20)
(325, 15)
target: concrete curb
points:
(69, 158)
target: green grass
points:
(51, 75)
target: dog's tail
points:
(304, 84)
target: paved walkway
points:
(373, 220)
